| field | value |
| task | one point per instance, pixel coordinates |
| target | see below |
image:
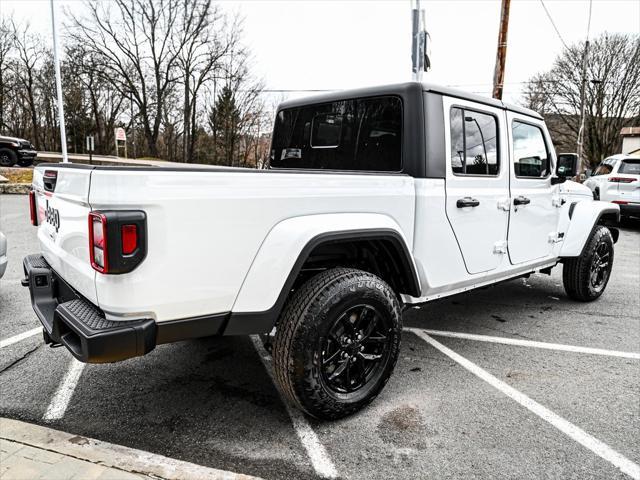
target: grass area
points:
(17, 175)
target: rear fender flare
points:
(286, 248)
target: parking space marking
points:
(576, 433)
(320, 459)
(21, 336)
(62, 397)
(529, 343)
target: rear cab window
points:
(362, 134)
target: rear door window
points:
(357, 134)
(474, 142)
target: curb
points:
(15, 188)
(108, 454)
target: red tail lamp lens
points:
(129, 239)
(98, 242)
(622, 180)
(33, 212)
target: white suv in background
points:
(617, 180)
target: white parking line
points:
(320, 459)
(588, 441)
(21, 336)
(62, 397)
(529, 343)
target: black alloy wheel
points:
(355, 349)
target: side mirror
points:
(567, 165)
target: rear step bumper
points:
(72, 321)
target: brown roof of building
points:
(630, 131)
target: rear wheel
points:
(8, 157)
(337, 342)
(585, 277)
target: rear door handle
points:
(467, 202)
(521, 201)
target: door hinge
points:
(500, 247)
(558, 201)
(504, 204)
(555, 237)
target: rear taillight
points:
(621, 179)
(33, 211)
(98, 242)
(117, 240)
(620, 202)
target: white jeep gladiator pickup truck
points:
(374, 200)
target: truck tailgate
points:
(62, 204)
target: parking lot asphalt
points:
(211, 401)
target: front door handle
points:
(467, 202)
(521, 201)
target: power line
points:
(554, 24)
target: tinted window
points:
(359, 134)
(630, 166)
(530, 155)
(474, 145)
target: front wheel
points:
(337, 342)
(8, 157)
(585, 277)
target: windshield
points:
(605, 167)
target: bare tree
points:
(135, 43)
(612, 96)
(204, 47)
(7, 45)
(30, 55)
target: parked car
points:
(617, 180)
(3, 254)
(375, 200)
(16, 151)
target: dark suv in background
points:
(16, 150)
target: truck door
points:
(534, 202)
(477, 178)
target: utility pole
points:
(419, 58)
(583, 86)
(56, 63)
(501, 56)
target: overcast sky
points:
(336, 44)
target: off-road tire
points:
(307, 317)
(576, 272)
(8, 158)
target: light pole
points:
(56, 63)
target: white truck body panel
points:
(206, 228)
(67, 247)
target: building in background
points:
(630, 140)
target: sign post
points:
(90, 147)
(120, 136)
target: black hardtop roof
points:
(403, 88)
